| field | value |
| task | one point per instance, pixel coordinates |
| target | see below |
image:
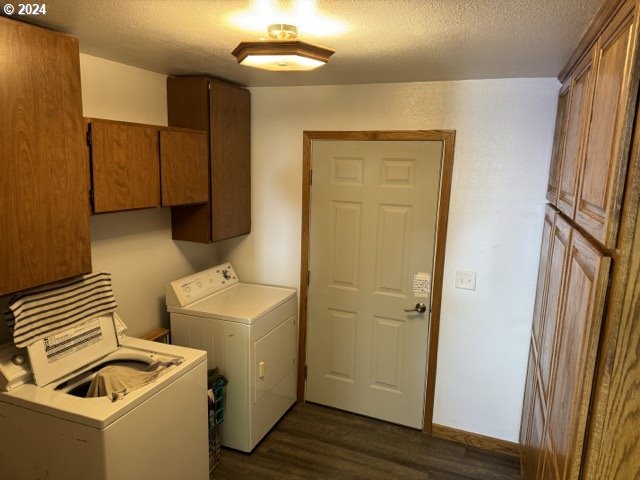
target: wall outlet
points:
(465, 280)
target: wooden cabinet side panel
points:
(44, 228)
(602, 179)
(125, 165)
(188, 107)
(576, 346)
(230, 160)
(577, 119)
(614, 431)
(184, 167)
(188, 102)
(558, 144)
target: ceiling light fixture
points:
(283, 52)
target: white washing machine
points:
(50, 430)
(249, 333)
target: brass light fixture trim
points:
(284, 53)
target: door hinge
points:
(305, 372)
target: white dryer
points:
(249, 333)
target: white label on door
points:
(421, 285)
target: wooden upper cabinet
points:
(558, 143)
(125, 168)
(579, 323)
(184, 166)
(230, 160)
(44, 177)
(578, 111)
(224, 110)
(605, 161)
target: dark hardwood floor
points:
(315, 442)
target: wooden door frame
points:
(447, 137)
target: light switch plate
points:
(465, 280)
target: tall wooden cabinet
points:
(44, 178)
(584, 360)
(224, 111)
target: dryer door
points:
(274, 356)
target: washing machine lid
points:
(241, 302)
(101, 412)
(60, 354)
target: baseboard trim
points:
(476, 440)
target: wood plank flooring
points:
(314, 442)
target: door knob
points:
(420, 308)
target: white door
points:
(372, 235)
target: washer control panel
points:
(192, 288)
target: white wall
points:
(136, 247)
(504, 134)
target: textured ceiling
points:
(376, 41)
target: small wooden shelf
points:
(162, 335)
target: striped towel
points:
(44, 311)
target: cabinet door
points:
(560, 238)
(576, 348)
(230, 160)
(527, 404)
(602, 179)
(184, 166)
(543, 274)
(558, 143)
(125, 166)
(44, 177)
(533, 448)
(548, 467)
(577, 117)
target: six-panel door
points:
(372, 234)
